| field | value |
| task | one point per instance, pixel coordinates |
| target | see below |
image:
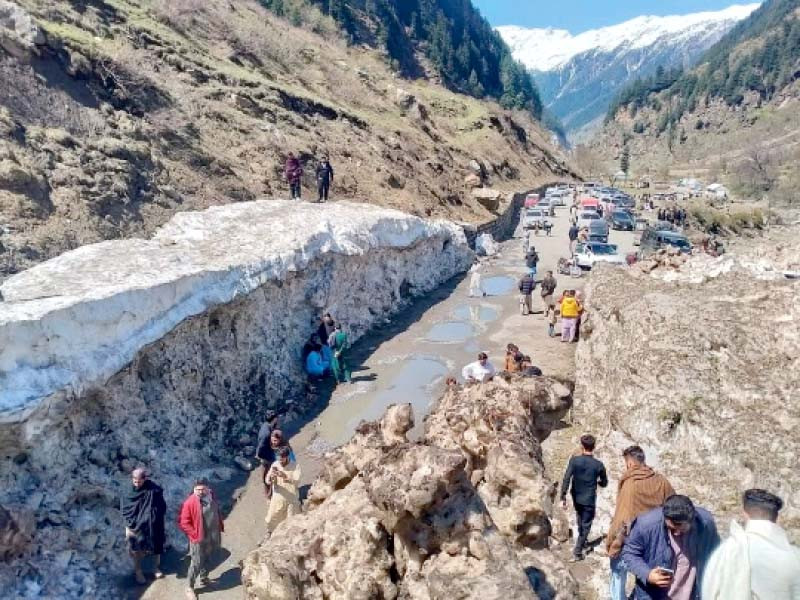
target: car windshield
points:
(534, 213)
(590, 215)
(622, 216)
(603, 248)
(676, 240)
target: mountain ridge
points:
(579, 76)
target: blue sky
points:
(579, 15)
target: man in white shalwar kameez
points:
(284, 476)
(756, 562)
(475, 283)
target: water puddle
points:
(450, 332)
(476, 313)
(498, 286)
(418, 380)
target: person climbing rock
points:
(479, 371)
(526, 286)
(584, 473)
(668, 549)
(293, 171)
(757, 560)
(284, 477)
(143, 509)
(340, 346)
(324, 179)
(201, 520)
(640, 489)
(316, 366)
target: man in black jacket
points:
(143, 509)
(526, 286)
(585, 473)
(324, 179)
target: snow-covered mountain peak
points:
(548, 49)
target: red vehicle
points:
(590, 203)
(531, 200)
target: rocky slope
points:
(579, 75)
(698, 363)
(166, 352)
(122, 112)
(463, 513)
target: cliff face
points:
(699, 366)
(118, 114)
(464, 513)
(166, 352)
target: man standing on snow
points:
(324, 179)
(293, 171)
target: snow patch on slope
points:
(549, 49)
(79, 318)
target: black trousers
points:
(295, 189)
(323, 187)
(585, 514)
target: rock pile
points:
(464, 513)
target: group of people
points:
(293, 171)
(672, 214)
(200, 518)
(672, 546)
(325, 352)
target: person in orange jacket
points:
(201, 520)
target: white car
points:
(591, 253)
(534, 217)
(585, 218)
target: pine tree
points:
(625, 160)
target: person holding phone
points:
(668, 550)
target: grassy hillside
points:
(737, 108)
(122, 112)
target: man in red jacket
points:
(201, 520)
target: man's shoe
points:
(576, 558)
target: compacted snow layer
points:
(79, 318)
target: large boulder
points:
(19, 34)
(488, 197)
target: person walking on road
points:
(532, 260)
(584, 473)
(284, 477)
(293, 171)
(324, 179)
(340, 346)
(668, 550)
(201, 520)
(549, 285)
(640, 489)
(570, 313)
(143, 509)
(476, 283)
(526, 286)
(573, 237)
(756, 561)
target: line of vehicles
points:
(599, 209)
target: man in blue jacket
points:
(668, 549)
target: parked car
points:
(656, 239)
(589, 254)
(548, 205)
(598, 231)
(534, 218)
(585, 218)
(622, 221)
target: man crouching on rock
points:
(201, 520)
(143, 509)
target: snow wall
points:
(167, 352)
